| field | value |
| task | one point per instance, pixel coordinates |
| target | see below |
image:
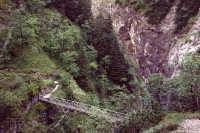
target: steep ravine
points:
(153, 47)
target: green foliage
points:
(141, 119)
(180, 93)
(171, 121)
(88, 60)
(34, 6)
(91, 55)
(14, 94)
(59, 41)
(58, 36)
(32, 128)
(158, 9)
(156, 87)
(185, 10)
(11, 108)
(24, 30)
(95, 100)
(99, 125)
(33, 62)
(3, 34)
(84, 77)
(68, 59)
(115, 77)
(120, 101)
(78, 11)
(72, 90)
(108, 52)
(85, 124)
(69, 89)
(103, 30)
(146, 113)
(33, 89)
(34, 121)
(187, 85)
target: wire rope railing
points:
(85, 108)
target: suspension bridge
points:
(84, 108)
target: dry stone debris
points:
(189, 126)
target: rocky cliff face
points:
(153, 47)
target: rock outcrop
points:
(153, 47)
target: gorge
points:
(135, 57)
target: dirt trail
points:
(48, 95)
(35, 98)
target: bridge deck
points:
(65, 106)
(84, 108)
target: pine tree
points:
(78, 11)
(106, 44)
(84, 78)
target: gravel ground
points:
(189, 126)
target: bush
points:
(142, 119)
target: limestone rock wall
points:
(153, 47)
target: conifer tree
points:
(76, 10)
(106, 44)
(84, 78)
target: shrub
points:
(142, 119)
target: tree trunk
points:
(198, 102)
(6, 43)
(193, 99)
(22, 51)
(168, 105)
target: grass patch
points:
(171, 122)
(71, 91)
(37, 65)
(34, 61)
(46, 83)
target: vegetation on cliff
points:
(47, 43)
(60, 40)
(156, 10)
